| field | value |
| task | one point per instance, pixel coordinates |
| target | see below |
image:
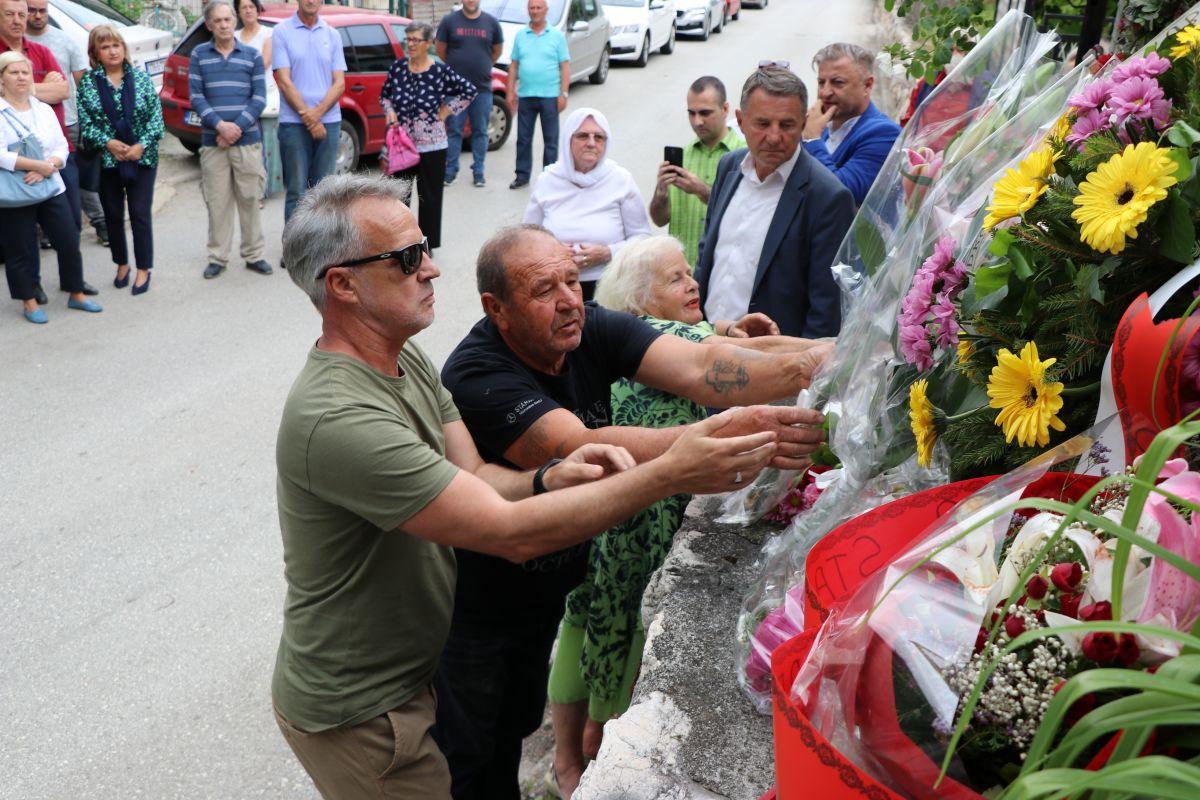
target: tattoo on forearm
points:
(727, 376)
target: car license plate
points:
(191, 118)
(156, 66)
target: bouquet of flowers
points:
(1038, 642)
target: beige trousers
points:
(390, 756)
(232, 178)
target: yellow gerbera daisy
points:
(1061, 129)
(965, 350)
(1028, 403)
(1114, 199)
(1020, 188)
(920, 414)
(1189, 41)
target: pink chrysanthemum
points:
(1150, 66)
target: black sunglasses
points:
(408, 258)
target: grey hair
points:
(323, 230)
(423, 28)
(778, 81)
(491, 267)
(214, 4)
(628, 282)
(839, 50)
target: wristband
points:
(538, 486)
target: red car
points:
(372, 41)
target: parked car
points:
(372, 41)
(583, 22)
(733, 10)
(755, 3)
(700, 17)
(148, 47)
(640, 27)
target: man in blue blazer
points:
(775, 218)
(845, 131)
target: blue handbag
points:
(14, 191)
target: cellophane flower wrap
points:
(894, 667)
(980, 117)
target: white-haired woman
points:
(22, 115)
(601, 637)
(588, 201)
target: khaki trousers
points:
(233, 177)
(390, 756)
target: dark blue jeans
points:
(139, 195)
(528, 110)
(491, 690)
(478, 113)
(305, 160)
(17, 226)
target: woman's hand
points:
(32, 177)
(591, 255)
(443, 113)
(752, 325)
(134, 152)
(391, 118)
(117, 148)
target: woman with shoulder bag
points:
(419, 94)
(258, 36)
(32, 193)
(120, 114)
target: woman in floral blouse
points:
(120, 116)
(419, 94)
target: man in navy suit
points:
(845, 131)
(775, 218)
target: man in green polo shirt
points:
(681, 196)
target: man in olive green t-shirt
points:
(379, 479)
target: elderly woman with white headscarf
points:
(589, 202)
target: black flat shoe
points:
(88, 289)
(145, 287)
(40, 295)
(518, 183)
(213, 270)
(260, 266)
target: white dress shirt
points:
(42, 122)
(836, 137)
(741, 237)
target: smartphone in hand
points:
(673, 156)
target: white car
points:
(699, 17)
(640, 27)
(582, 22)
(148, 47)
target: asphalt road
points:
(140, 572)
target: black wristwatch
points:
(538, 486)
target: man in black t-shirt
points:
(532, 381)
(469, 40)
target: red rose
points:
(1066, 576)
(1100, 646)
(1036, 587)
(1069, 603)
(1096, 612)
(1128, 651)
(1014, 626)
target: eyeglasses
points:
(416, 41)
(767, 64)
(583, 136)
(408, 258)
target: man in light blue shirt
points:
(538, 78)
(310, 69)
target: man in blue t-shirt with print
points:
(469, 41)
(538, 78)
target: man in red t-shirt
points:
(50, 86)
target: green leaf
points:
(1001, 241)
(1184, 168)
(1177, 231)
(870, 244)
(1088, 282)
(1020, 262)
(991, 279)
(1183, 135)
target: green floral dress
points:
(607, 605)
(95, 129)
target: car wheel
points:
(706, 29)
(190, 146)
(601, 74)
(499, 123)
(737, 14)
(349, 148)
(669, 47)
(644, 57)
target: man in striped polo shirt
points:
(228, 90)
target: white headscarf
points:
(564, 167)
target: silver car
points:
(582, 22)
(148, 47)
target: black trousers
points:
(22, 256)
(140, 196)
(429, 173)
(491, 689)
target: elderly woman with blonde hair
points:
(601, 637)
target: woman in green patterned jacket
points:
(601, 637)
(120, 118)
